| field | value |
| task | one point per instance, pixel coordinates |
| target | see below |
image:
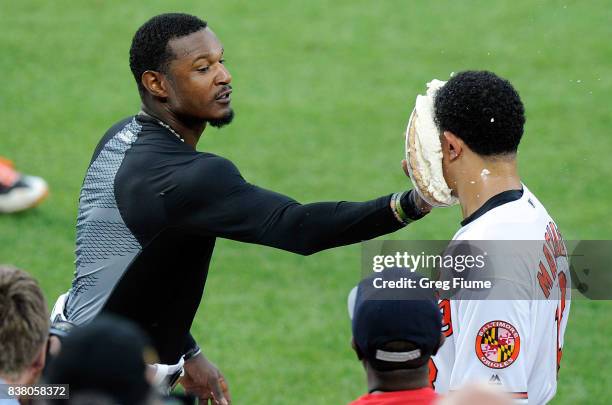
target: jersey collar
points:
(494, 202)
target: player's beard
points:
(223, 121)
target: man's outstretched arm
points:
(213, 198)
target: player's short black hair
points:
(482, 109)
(149, 50)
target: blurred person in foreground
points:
(476, 394)
(19, 192)
(106, 358)
(90, 398)
(395, 332)
(98, 398)
(24, 326)
(152, 206)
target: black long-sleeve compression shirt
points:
(150, 210)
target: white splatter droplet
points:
(492, 119)
(578, 81)
(484, 173)
(472, 182)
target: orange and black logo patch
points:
(498, 344)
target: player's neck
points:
(399, 380)
(190, 132)
(23, 378)
(485, 180)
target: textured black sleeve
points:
(212, 198)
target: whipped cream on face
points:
(428, 157)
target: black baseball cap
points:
(107, 356)
(394, 314)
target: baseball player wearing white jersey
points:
(516, 343)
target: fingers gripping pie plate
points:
(424, 151)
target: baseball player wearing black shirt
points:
(151, 206)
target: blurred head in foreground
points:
(177, 62)
(476, 394)
(107, 356)
(24, 327)
(395, 332)
(481, 118)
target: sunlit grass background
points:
(322, 92)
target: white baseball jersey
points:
(516, 344)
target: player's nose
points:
(224, 76)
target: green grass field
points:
(322, 92)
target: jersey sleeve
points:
(490, 336)
(490, 330)
(212, 198)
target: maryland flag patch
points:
(498, 344)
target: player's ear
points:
(452, 145)
(154, 83)
(442, 339)
(37, 365)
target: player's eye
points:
(222, 61)
(204, 69)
